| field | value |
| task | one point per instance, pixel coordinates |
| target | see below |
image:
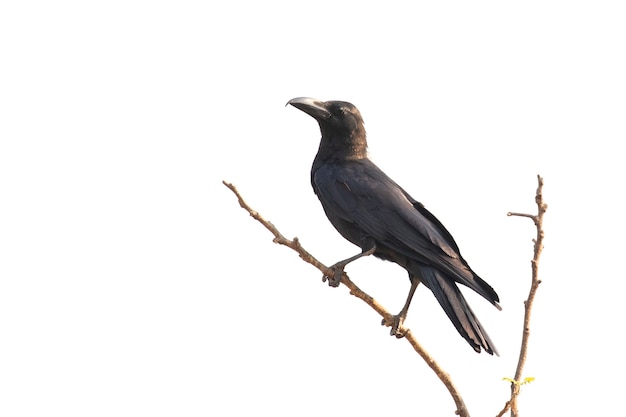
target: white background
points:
(131, 283)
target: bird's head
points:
(340, 122)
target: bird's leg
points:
(398, 319)
(337, 268)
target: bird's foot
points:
(395, 323)
(335, 279)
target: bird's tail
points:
(457, 309)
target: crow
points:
(373, 212)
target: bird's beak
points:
(312, 107)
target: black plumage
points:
(370, 210)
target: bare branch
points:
(506, 408)
(538, 220)
(357, 292)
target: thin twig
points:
(357, 292)
(506, 408)
(538, 247)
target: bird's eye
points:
(342, 110)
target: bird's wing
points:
(360, 193)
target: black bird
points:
(370, 210)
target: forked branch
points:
(528, 304)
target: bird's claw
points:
(395, 324)
(335, 279)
